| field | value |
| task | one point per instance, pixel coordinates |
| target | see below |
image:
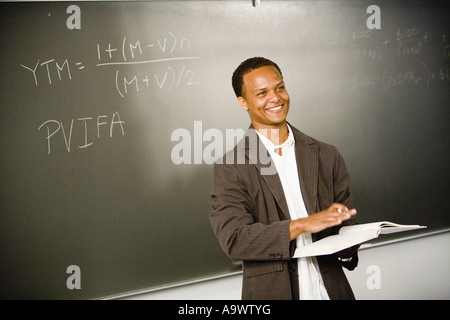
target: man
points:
(260, 218)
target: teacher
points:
(260, 216)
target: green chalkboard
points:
(109, 112)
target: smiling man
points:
(261, 218)
(267, 102)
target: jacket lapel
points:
(306, 154)
(274, 183)
(257, 154)
(307, 158)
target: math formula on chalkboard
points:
(172, 52)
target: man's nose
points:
(274, 96)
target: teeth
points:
(275, 108)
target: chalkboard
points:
(111, 113)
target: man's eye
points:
(262, 93)
(281, 88)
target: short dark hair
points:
(237, 80)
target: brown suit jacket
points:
(250, 216)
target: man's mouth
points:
(274, 109)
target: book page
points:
(387, 229)
(335, 243)
(360, 227)
(349, 236)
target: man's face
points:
(265, 98)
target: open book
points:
(349, 236)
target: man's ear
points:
(243, 103)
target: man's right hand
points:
(330, 217)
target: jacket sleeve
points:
(235, 223)
(341, 182)
(341, 185)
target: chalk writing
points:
(403, 43)
(419, 75)
(129, 50)
(408, 42)
(167, 63)
(167, 51)
(127, 53)
(82, 124)
(138, 52)
(51, 69)
(171, 78)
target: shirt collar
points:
(290, 141)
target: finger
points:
(338, 207)
(347, 215)
(343, 209)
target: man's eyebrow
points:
(264, 89)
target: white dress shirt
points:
(309, 278)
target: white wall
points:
(412, 269)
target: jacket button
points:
(272, 255)
(280, 255)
